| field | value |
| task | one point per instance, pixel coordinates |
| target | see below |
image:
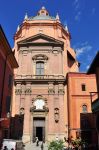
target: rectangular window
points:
(8, 102)
(83, 86)
(40, 68)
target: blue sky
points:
(81, 16)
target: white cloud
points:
(82, 48)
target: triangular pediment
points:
(40, 39)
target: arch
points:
(39, 97)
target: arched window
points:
(40, 68)
(84, 108)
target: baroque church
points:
(48, 87)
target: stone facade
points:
(43, 51)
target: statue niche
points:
(56, 115)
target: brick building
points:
(7, 64)
(49, 90)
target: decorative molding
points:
(51, 91)
(40, 57)
(33, 109)
(18, 91)
(28, 91)
(61, 91)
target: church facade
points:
(45, 90)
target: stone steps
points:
(32, 146)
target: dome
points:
(42, 14)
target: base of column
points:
(26, 138)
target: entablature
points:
(39, 79)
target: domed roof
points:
(42, 14)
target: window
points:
(84, 108)
(40, 68)
(83, 86)
(39, 103)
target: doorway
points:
(39, 129)
(39, 133)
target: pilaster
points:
(27, 118)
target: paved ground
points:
(32, 146)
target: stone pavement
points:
(32, 146)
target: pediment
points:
(40, 39)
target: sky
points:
(81, 17)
